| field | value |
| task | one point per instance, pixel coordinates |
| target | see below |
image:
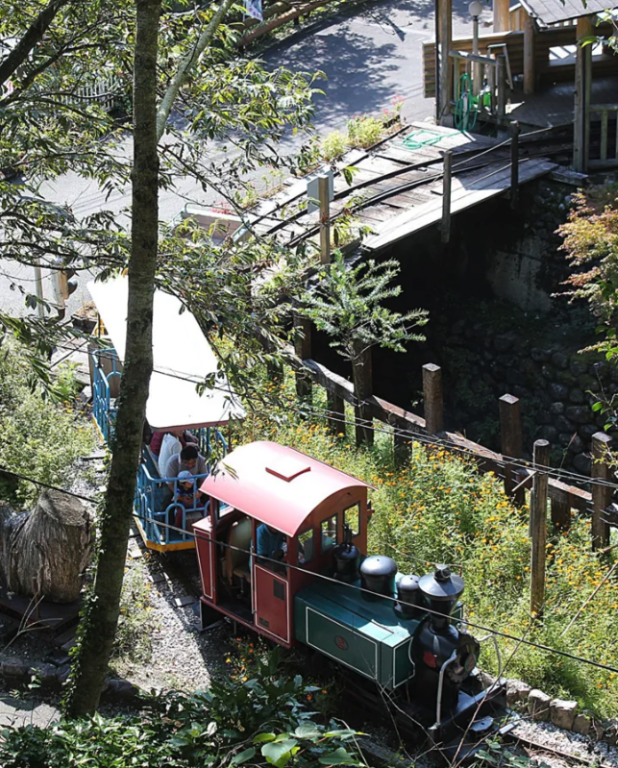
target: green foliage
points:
(334, 145)
(347, 304)
(364, 131)
(40, 438)
(136, 622)
(438, 508)
(262, 721)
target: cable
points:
(505, 635)
(419, 436)
(19, 476)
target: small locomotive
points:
(393, 629)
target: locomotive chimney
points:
(441, 590)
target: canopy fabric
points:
(276, 485)
(180, 352)
(554, 11)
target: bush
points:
(136, 622)
(41, 436)
(334, 145)
(364, 131)
(262, 721)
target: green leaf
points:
(338, 757)
(307, 731)
(261, 737)
(243, 756)
(281, 753)
(341, 733)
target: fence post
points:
(433, 398)
(514, 165)
(538, 526)
(561, 514)
(324, 200)
(446, 196)
(601, 494)
(501, 78)
(510, 433)
(336, 408)
(302, 348)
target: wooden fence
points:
(518, 474)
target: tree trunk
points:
(101, 615)
(44, 552)
(362, 376)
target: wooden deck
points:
(396, 188)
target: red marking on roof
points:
(250, 480)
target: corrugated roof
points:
(276, 485)
(553, 11)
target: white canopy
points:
(180, 352)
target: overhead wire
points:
(329, 579)
(442, 442)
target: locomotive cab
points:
(313, 517)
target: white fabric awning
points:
(182, 358)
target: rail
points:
(601, 114)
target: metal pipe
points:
(450, 660)
(38, 283)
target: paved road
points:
(369, 53)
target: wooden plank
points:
(538, 527)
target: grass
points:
(438, 508)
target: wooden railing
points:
(606, 116)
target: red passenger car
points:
(305, 500)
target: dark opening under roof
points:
(553, 11)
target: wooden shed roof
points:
(553, 11)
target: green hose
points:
(466, 105)
(415, 139)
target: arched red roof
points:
(276, 485)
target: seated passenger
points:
(271, 544)
(187, 495)
(182, 435)
(187, 460)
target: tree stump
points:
(45, 552)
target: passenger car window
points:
(306, 549)
(352, 518)
(329, 533)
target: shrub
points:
(41, 435)
(364, 131)
(334, 145)
(136, 622)
(262, 721)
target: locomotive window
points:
(329, 533)
(352, 518)
(305, 546)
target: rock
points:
(587, 430)
(562, 424)
(45, 674)
(596, 730)
(610, 728)
(558, 391)
(122, 689)
(598, 370)
(539, 355)
(560, 360)
(582, 463)
(548, 433)
(614, 372)
(562, 713)
(580, 414)
(514, 376)
(516, 692)
(522, 392)
(557, 408)
(586, 382)
(576, 395)
(566, 437)
(581, 724)
(547, 372)
(504, 342)
(577, 365)
(566, 378)
(576, 444)
(538, 704)
(15, 670)
(63, 673)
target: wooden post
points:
(324, 199)
(336, 408)
(601, 494)
(362, 374)
(302, 348)
(561, 514)
(502, 15)
(529, 41)
(501, 77)
(511, 438)
(446, 196)
(433, 398)
(445, 22)
(514, 165)
(402, 443)
(538, 526)
(583, 84)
